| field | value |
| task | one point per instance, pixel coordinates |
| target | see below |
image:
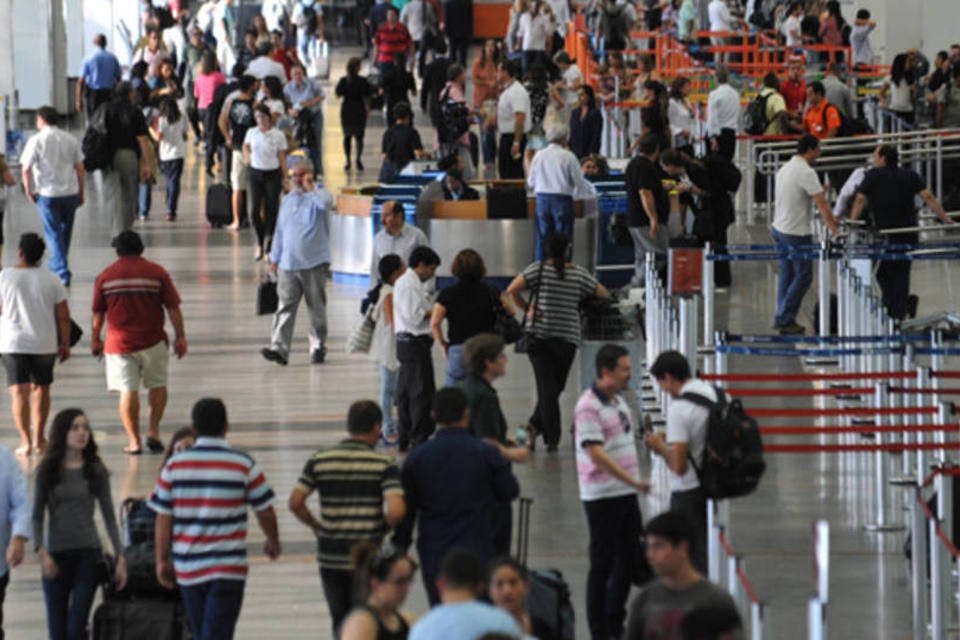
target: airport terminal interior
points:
(281, 415)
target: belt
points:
(405, 336)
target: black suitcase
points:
(549, 597)
(137, 619)
(507, 203)
(219, 208)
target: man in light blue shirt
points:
(306, 99)
(99, 74)
(462, 616)
(300, 256)
(15, 519)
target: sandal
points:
(132, 452)
(154, 445)
(23, 450)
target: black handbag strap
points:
(533, 299)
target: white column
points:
(6, 48)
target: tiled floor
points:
(281, 414)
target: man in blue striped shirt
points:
(201, 532)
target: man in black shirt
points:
(890, 190)
(648, 207)
(434, 79)
(236, 118)
(129, 139)
(401, 144)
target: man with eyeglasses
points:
(360, 500)
(609, 479)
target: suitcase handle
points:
(523, 529)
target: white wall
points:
(940, 25)
(33, 53)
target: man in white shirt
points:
(395, 236)
(264, 65)
(536, 26)
(513, 121)
(308, 17)
(860, 38)
(720, 20)
(791, 26)
(412, 307)
(52, 172)
(274, 14)
(568, 85)
(684, 440)
(796, 189)
(554, 177)
(223, 34)
(723, 115)
(34, 330)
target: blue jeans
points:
(488, 144)
(796, 276)
(69, 595)
(144, 199)
(57, 216)
(456, 367)
(213, 608)
(388, 396)
(172, 170)
(554, 215)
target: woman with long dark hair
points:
(586, 124)
(682, 116)
(70, 480)
(354, 90)
(204, 87)
(556, 288)
(508, 585)
(170, 133)
(653, 116)
(899, 91)
(265, 152)
(383, 580)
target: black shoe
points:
(318, 356)
(792, 329)
(359, 166)
(346, 167)
(551, 448)
(274, 356)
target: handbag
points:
(76, 332)
(522, 345)
(267, 298)
(504, 324)
(361, 337)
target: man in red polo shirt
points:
(794, 88)
(130, 296)
(392, 38)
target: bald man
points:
(395, 236)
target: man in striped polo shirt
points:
(201, 531)
(609, 478)
(360, 500)
(391, 38)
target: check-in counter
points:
(507, 245)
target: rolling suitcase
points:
(137, 619)
(219, 209)
(549, 596)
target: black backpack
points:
(848, 126)
(755, 120)
(732, 462)
(96, 147)
(454, 118)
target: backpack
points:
(310, 19)
(454, 118)
(732, 463)
(848, 126)
(755, 120)
(615, 28)
(96, 147)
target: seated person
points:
(401, 144)
(454, 188)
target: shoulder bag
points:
(504, 324)
(523, 344)
(361, 337)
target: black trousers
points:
(692, 505)
(4, 581)
(726, 143)
(458, 51)
(615, 554)
(893, 276)
(721, 268)
(502, 518)
(508, 166)
(551, 359)
(93, 98)
(265, 189)
(415, 390)
(339, 593)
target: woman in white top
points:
(383, 346)
(265, 152)
(899, 91)
(535, 27)
(682, 116)
(170, 132)
(272, 90)
(512, 40)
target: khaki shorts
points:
(125, 371)
(239, 172)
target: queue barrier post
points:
(880, 524)
(923, 382)
(817, 606)
(759, 617)
(937, 561)
(714, 548)
(944, 488)
(708, 301)
(918, 565)
(823, 282)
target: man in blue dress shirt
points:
(300, 256)
(99, 74)
(15, 520)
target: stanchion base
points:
(883, 528)
(903, 481)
